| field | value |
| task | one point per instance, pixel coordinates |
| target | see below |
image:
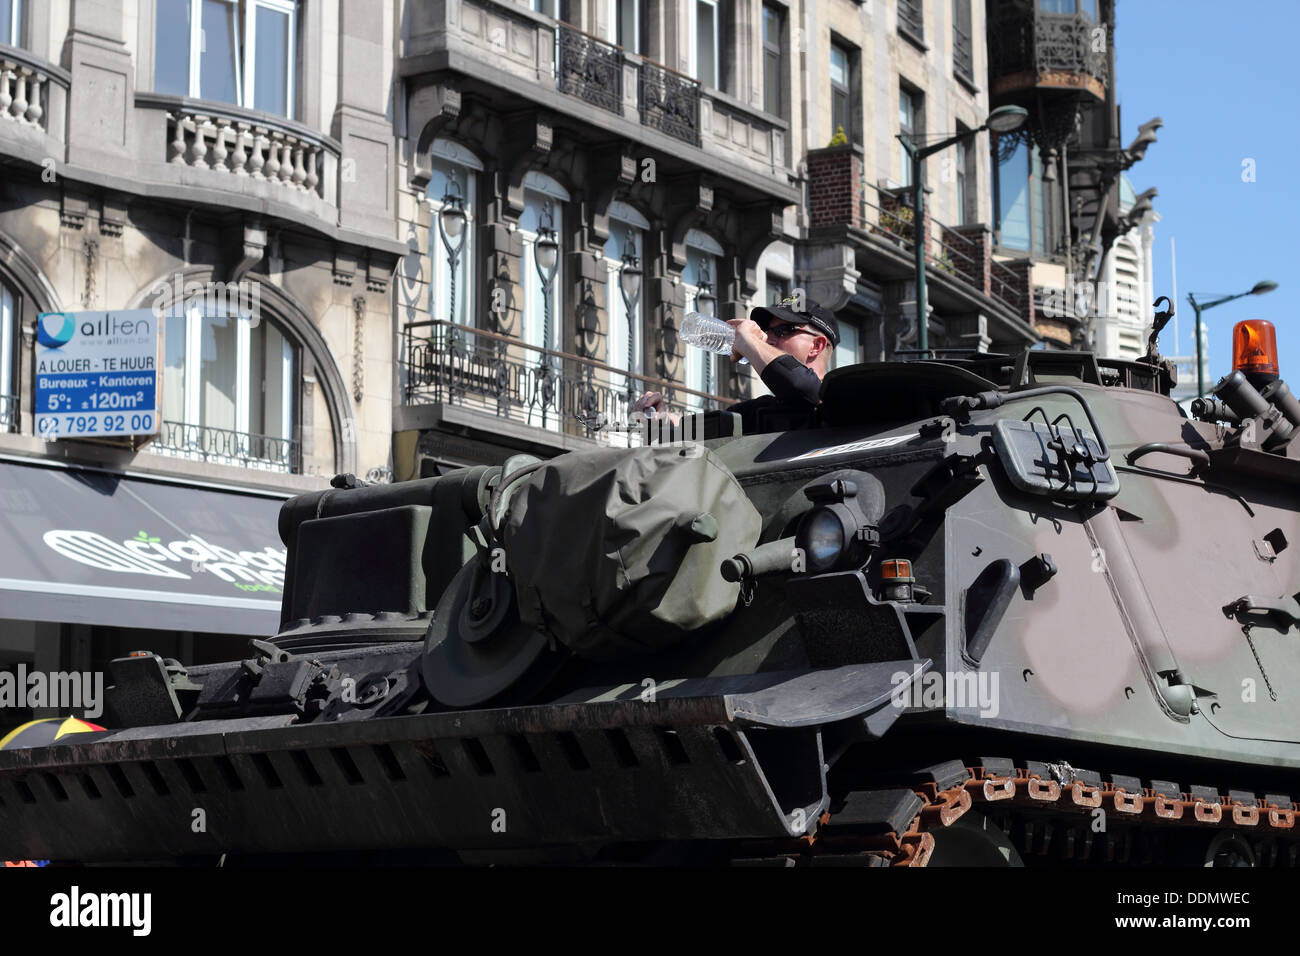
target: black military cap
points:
(818, 316)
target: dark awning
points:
(94, 547)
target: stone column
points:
(101, 130)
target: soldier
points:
(790, 350)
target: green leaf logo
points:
(144, 536)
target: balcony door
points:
(453, 181)
(703, 369)
(544, 200)
(232, 51)
(626, 334)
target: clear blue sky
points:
(1225, 78)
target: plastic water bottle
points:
(708, 333)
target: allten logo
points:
(55, 329)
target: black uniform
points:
(796, 390)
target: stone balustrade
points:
(228, 145)
(26, 87)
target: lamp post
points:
(629, 282)
(451, 225)
(1004, 119)
(1198, 307)
(706, 303)
(546, 257)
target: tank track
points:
(1049, 813)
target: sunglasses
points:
(783, 330)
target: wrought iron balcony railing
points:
(589, 68)
(224, 446)
(504, 377)
(948, 252)
(669, 102)
(911, 18)
(1025, 40)
(9, 409)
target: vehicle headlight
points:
(823, 538)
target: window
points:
(842, 91)
(232, 51)
(778, 289)
(963, 61)
(628, 27)
(555, 9)
(706, 55)
(1024, 219)
(911, 19)
(229, 386)
(544, 200)
(1087, 7)
(454, 177)
(8, 399)
(12, 21)
(846, 353)
(773, 31)
(626, 234)
(702, 252)
(909, 124)
(967, 211)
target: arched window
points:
(700, 279)
(230, 385)
(453, 198)
(542, 225)
(8, 380)
(627, 229)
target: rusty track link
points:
(1039, 810)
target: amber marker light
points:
(1254, 347)
(896, 569)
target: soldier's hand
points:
(749, 336)
(651, 403)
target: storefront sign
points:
(96, 374)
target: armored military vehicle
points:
(992, 610)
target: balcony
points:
(240, 154)
(33, 105)
(505, 387)
(880, 223)
(1030, 50)
(224, 446)
(503, 52)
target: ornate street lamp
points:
(546, 257)
(1004, 119)
(629, 282)
(451, 225)
(706, 303)
(1259, 288)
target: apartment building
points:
(584, 173)
(228, 166)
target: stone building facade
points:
(685, 151)
(230, 166)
